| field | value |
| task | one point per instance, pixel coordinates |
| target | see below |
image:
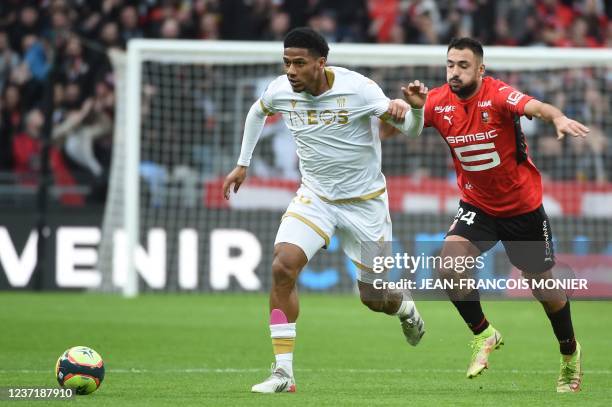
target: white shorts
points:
(310, 223)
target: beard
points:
(463, 91)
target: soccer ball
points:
(80, 368)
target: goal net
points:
(180, 112)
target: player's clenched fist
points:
(415, 94)
(398, 109)
(235, 177)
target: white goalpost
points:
(178, 124)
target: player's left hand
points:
(415, 94)
(398, 109)
(565, 125)
(235, 178)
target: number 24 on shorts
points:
(468, 217)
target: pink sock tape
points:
(277, 317)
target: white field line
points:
(205, 370)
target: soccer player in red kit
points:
(501, 194)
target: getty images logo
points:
(547, 244)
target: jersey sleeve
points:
(509, 99)
(374, 97)
(266, 101)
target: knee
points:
(283, 271)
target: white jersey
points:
(339, 156)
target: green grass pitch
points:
(209, 349)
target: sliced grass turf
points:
(209, 350)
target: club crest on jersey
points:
(341, 102)
(485, 116)
(293, 103)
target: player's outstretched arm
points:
(550, 113)
(398, 109)
(386, 131)
(255, 121)
(415, 93)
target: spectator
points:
(60, 28)
(279, 25)
(383, 16)
(9, 59)
(75, 67)
(483, 17)
(111, 9)
(578, 35)
(325, 24)
(516, 23)
(110, 36)
(209, 27)
(35, 57)
(421, 17)
(129, 24)
(10, 122)
(12, 107)
(421, 30)
(350, 17)
(27, 24)
(554, 13)
(170, 29)
(594, 15)
(300, 11)
(26, 147)
(83, 123)
(244, 19)
(9, 9)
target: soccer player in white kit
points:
(328, 111)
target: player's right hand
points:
(415, 94)
(565, 125)
(236, 177)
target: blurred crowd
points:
(69, 40)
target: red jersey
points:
(494, 172)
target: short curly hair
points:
(304, 37)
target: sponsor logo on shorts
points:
(547, 244)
